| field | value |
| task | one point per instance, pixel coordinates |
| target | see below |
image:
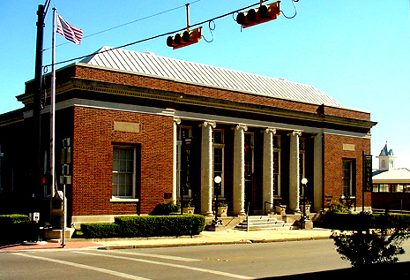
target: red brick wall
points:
(93, 140)
(122, 78)
(333, 155)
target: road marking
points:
(220, 273)
(167, 257)
(83, 266)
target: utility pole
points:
(38, 85)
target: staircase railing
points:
(247, 216)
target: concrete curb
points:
(204, 243)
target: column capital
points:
(296, 133)
(212, 124)
(269, 130)
(177, 121)
(241, 126)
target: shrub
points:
(370, 238)
(336, 206)
(144, 226)
(165, 208)
(16, 227)
(100, 230)
(369, 247)
(161, 225)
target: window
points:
(218, 144)
(124, 172)
(276, 165)
(349, 175)
(184, 147)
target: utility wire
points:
(128, 23)
(156, 36)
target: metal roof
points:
(150, 64)
(399, 175)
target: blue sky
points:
(358, 52)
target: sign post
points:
(65, 179)
(367, 176)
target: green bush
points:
(100, 230)
(144, 226)
(369, 247)
(165, 208)
(161, 225)
(362, 221)
(16, 227)
(364, 238)
(13, 219)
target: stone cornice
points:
(86, 85)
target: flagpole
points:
(52, 108)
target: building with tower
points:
(391, 186)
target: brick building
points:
(145, 128)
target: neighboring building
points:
(391, 186)
(145, 128)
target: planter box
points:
(222, 211)
(280, 209)
(188, 210)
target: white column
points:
(268, 166)
(174, 159)
(318, 172)
(239, 170)
(294, 174)
(207, 168)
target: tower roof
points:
(386, 152)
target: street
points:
(245, 261)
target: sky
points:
(357, 52)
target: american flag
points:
(71, 33)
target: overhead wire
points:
(159, 35)
(130, 22)
(295, 13)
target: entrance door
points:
(249, 170)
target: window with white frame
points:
(124, 173)
(276, 165)
(218, 145)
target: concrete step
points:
(262, 223)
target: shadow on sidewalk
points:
(399, 270)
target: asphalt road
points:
(245, 261)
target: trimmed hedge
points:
(16, 227)
(100, 230)
(363, 221)
(144, 226)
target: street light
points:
(217, 181)
(304, 182)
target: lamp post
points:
(304, 182)
(217, 181)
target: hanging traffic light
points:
(256, 16)
(188, 37)
(185, 39)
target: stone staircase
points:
(263, 222)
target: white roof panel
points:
(206, 75)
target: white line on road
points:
(83, 266)
(221, 273)
(166, 257)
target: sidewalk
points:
(228, 236)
